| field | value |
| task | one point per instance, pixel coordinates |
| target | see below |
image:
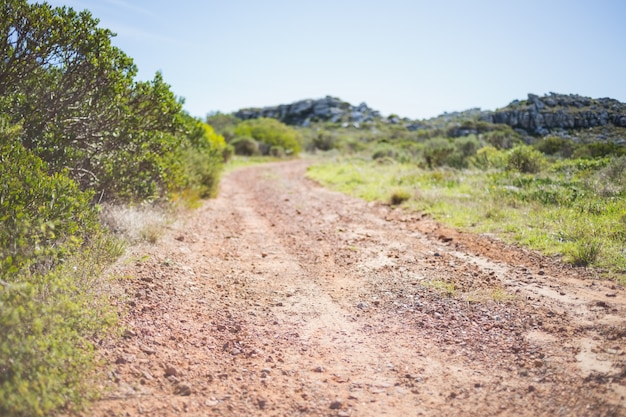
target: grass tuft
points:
(585, 253)
(398, 197)
(136, 223)
(447, 288)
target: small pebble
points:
(183, 389)
(336, 405)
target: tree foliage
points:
(81, 110)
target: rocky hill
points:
(540, 115)
(536, 116)
(302, 113)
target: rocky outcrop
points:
(540, 115)
(550, 114)
(303, 112)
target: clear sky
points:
(415, 58)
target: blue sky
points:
(414, 58)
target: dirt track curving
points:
(282, 298)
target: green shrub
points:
(51, 255)
(385, 150)
(43, 217)
(224, 124)
(599, 150)
(203, 171)
(277, 151)
(47, 359)
(350, 144)
(228, 152)
(272, 133)
(609, 180)
(503, 137)
(556, 145)
(489, 158)
(436, 151)
(246, 146)
(468, 146)
(202, 159)
(325, 141)
(525, 159)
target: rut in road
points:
(282, 298)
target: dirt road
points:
(281, 298)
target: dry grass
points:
(137, 223)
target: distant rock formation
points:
(303, 112)
(550, 114)
(540, 115)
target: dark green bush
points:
(436, 151)
(599, 150)
(466, 147)
(385, 150)
(502, 137)
(555, 145)
(228, 152)
(350, 144)
(245, 146)
(277, 151)
(43, 217)
(325, 141)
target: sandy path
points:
(282, 298)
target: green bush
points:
(43, 217)
(51, 255)
(47, 321)
(525, 159)
(466, 147)
(436, 151)
(271, 132)
(502, 137)
(350, 144)
(202, 158)
(599, 150)
(277, 151)
(245, 146)
(228, 152)
(203, 171)
(325, 141)
(224, 124)
(489, 158)
(555, 145)
(610, 180)
(386, 150)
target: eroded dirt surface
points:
(282, 298)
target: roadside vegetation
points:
(257, 137)
(560, 196)
(83, 146)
